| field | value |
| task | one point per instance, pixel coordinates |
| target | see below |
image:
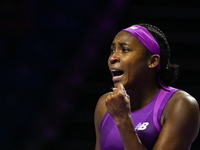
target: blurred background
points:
(53, 62)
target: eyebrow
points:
(121, 44)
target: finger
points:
(113, 88)
(121, 88)
(107, 99)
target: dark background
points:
(53, 61)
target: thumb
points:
(121, 88)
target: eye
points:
(125, 50)
(112, 50)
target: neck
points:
(140, 97)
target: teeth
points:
(116, 72)
(113, 70)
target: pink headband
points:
(145, 37)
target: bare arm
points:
(98, 115)
(180, 123)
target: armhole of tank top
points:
(163, 96)
(104, 120)
(156, 107)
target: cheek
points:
(137, 66)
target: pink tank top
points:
(146, 122)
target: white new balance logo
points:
(141, 126)
(133, 27)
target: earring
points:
(151, 66)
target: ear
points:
(154, 61)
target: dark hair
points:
(168, 72)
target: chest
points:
(143, 123)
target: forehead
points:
(125, 37)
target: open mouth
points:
(116, 72)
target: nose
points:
(114, 58)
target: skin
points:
(180, 117)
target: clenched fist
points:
(118, 103)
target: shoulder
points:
(100, 109)
(180, 122)
(182, 100)
(182, 109)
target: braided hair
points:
(168, 72)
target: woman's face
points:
(128, 61)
